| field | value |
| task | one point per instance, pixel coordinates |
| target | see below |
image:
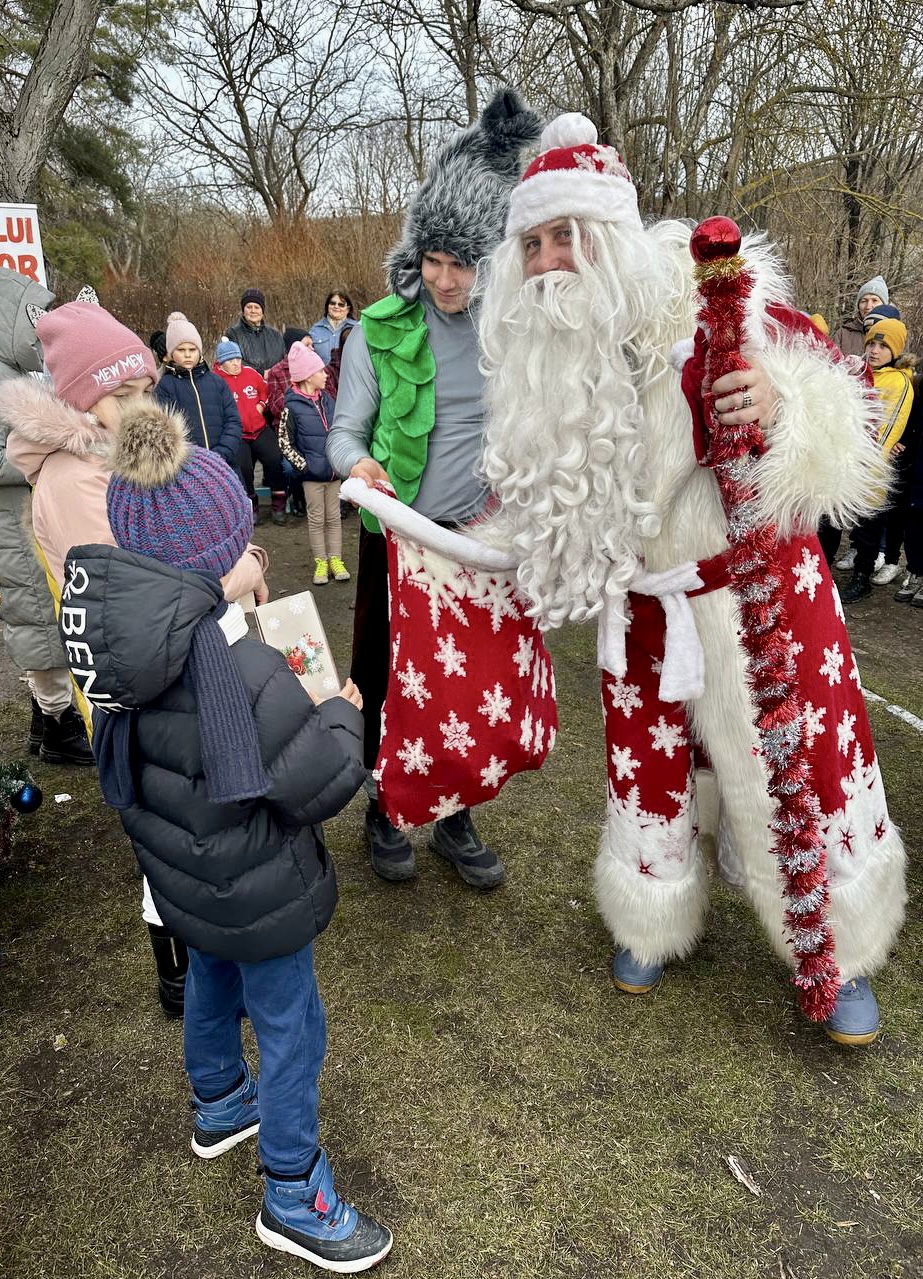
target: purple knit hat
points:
(173, 501)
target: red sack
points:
(470, 698)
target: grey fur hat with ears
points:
(461, 205)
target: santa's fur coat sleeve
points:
(822, 456)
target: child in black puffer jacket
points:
(306, 419)
(204, 399)
(222, 768)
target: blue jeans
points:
(281, 998)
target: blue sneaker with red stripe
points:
(307, 1218)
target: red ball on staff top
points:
(715, 238)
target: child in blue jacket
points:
(306, 418)
(204, 399)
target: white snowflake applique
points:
(657, 666)
(494, 773)
(844, 733)
(812, 722)
(624, 763)
(455, 735)
(793, 646)
(538, 740)
(667, 737)
(395, 648)
(833, 664)
(414, 684)
(496, 706)
(414, 757)
(525, 730)
(497, 595)
(296, 606)
(274, 623)
(451, 659)
(522, 658)
(552, 737)
(807, 574)
(854, 673)
(402, 610)
(625, 697)
(838, 603)
(445, 806)
(382, 718)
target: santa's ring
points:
(746, 400)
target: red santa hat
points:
(575, 176)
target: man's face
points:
(548, 247)
(447, 281)
(867, 302)
(253, 313)
(186, 355)
(878, 354)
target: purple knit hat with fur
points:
(173, 501)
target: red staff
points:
(725, 283)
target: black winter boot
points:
(172, 960)
(859, 586)
(64, 740)
(36, 728)
(277, 504)
(389, 848)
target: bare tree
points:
(42, 94)
(257, 94)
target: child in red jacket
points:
(259, 441)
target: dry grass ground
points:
(487, 1092)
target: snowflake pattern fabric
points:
(650, 751)
(470, 699)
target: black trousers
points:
(264, 449)
(371, 659)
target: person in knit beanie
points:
(221, 767)
(261, 345)
(189, 387)
(62, 442)
(303, 428)
(870, 295)
(259, 443)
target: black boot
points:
(172, 960)
(859, 586)
(389, 848)
(64, 740)
(36, 728)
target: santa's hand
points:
(370, 471)
(746, 395)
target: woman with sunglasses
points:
(338, 316)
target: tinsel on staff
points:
(725, 283)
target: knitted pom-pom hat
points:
(227, 350)
(89, 354)
(575, 176)
(180, 330)
(302, 362)
(172, 501)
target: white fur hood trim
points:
(822, 457)
(41, 425)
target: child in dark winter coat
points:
(222, 767)
(303, 428)
(259, 443)
(203, 398)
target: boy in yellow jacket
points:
(884, 343)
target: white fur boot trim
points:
(656, 919)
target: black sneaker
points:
(860, 586)
(36, 728)
(455, 839)
(390, 849)
(64, 740)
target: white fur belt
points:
(682, 677)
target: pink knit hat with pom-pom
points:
(180, 330)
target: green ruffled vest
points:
(396, 336)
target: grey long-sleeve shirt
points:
(449, 490)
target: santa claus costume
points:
(598, 447)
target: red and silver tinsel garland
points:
(725, 283)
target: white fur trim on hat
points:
(572, 193)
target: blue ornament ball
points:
(27, 799)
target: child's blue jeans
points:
(281, 998)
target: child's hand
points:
(348, 692)
(898, 449)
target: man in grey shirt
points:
(409, 413)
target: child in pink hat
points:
(303, 427)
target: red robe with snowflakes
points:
(682, 774)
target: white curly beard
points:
(566, 355)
